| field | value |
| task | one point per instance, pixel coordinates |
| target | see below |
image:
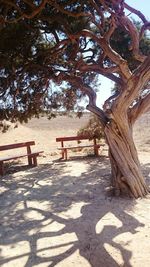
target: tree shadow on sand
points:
(55, 211)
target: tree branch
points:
(107, 103)
(142, 106)
(92, 103)
(109, 52)
(69, 13)
(136, 12)
(97, 7)
(142, 74)
(107, 72)
(134, 46)
(35, 11)
(135, 84)
(112, 28)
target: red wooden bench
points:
(64, 148)
(32, 156)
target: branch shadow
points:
(54, 211)
(15, 166)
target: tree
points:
(73, 41)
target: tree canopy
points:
(46, 42)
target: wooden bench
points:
(32, 156)
(64, 148)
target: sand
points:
(61, 213)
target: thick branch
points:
(134, 46)
(92, 103)
(112, 28)
(135, 84)
(109, 52)
(139, 108)
(107, 103)
(107, 72)
(143, 70)
(142, 17)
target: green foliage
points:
(31, 57)
(92, 129)
(29, 62)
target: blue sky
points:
(143, 6)
(106, 85)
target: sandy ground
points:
(61, 213)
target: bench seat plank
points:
(73, 147)
(20, 156)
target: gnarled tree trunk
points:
(117, 122)
(126, 171)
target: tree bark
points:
(126, 172)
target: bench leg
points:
(96, 151)
(1, 168)
(29, 160)
(65, 154)
(62, 152)
(34, 160)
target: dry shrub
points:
(92, 129)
